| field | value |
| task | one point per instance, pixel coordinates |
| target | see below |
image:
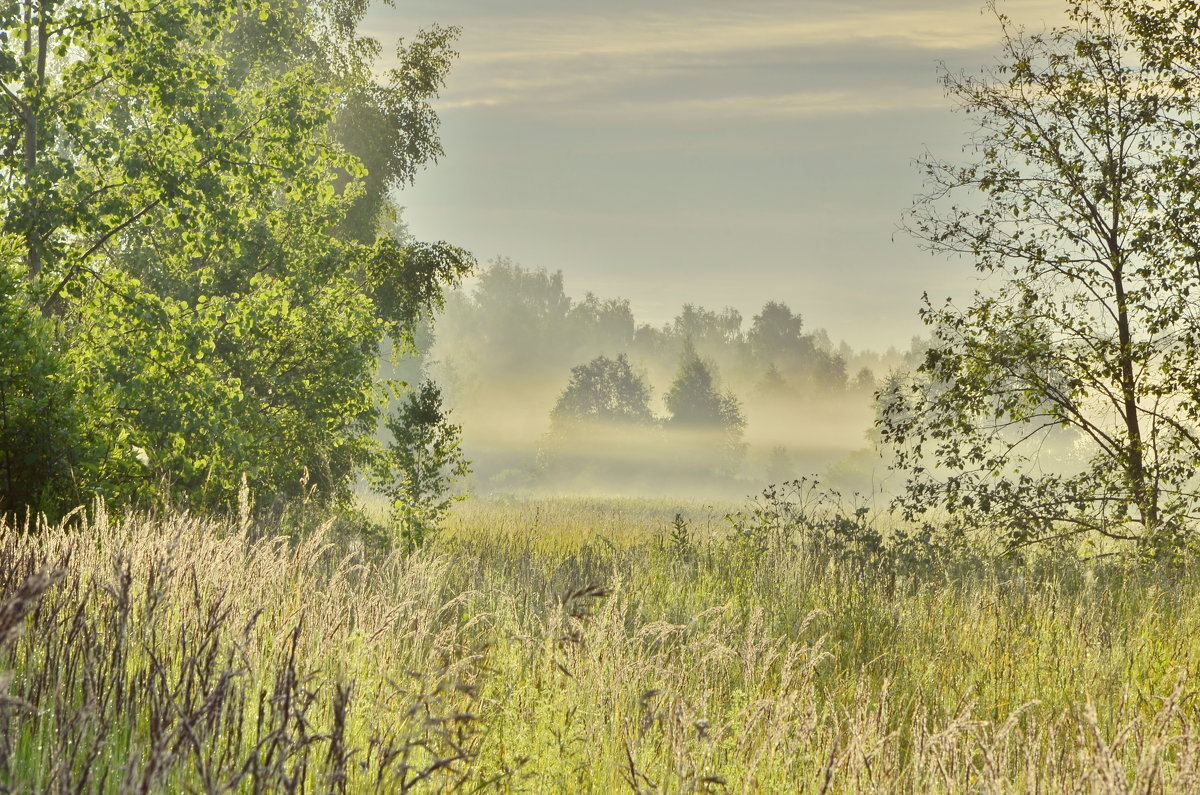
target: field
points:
(582, 646)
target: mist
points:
(571, 394)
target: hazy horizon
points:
(704, 153)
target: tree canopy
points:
(201, 199)
(713, 418)
(1064, 399)
(604, 390)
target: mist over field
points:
(504, 348)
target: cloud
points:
(755, 59)
(769, 107)
(745, 27)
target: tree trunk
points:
(1135, 468)
(34, 88)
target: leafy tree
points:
(697, 406)
(601, 427)
(602, 324)
(772, 384)
(776, 331)
(776, 336)
(513, 316)
(1080, 215)
(604, 390)
(707, 328)
(211, 237)
(503, 344)
(864, 381)
(423, 463)
(693, 399)
(514, 298)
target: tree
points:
(714, 419)
(605, 325)
(863, 382)
(424, 462)
(693, 399)
(1088, 342)
(708, 328)
(502, 346)
(776, 337)
(210, 238)
(604, 390)
(601, 426)
(513, 316)
(776, 331)
(772, 384)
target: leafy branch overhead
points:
(201, 201)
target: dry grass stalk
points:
(182, 654)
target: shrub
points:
(422, 463)
(801, 515)
(37, 428)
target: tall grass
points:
(522, 653)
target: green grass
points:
(588, 646)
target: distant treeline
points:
(504, 351)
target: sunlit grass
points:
(588, 646)
(562, 524)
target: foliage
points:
(801, 514)
(775, 329)
(604, 390)
(602, 429)
(1065, 399)
(776, 337)
(694, 400)
(521, 321)
(424, 460)
(516, 320)
(207, 222)
(505, 348)
(706, 328)
(38, 428)
(708, 424)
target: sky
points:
(705, 151)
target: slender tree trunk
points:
(34, 88)
(1145, 494)
(1135, 467)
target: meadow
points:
(571, 645)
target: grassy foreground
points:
(570, 646)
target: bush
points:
(37, 428)
(800, 515)
(422, 463)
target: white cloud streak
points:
(772, 107)
(571, 64)
(938, 26)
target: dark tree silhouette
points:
(605, 390)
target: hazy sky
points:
(710, 151)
